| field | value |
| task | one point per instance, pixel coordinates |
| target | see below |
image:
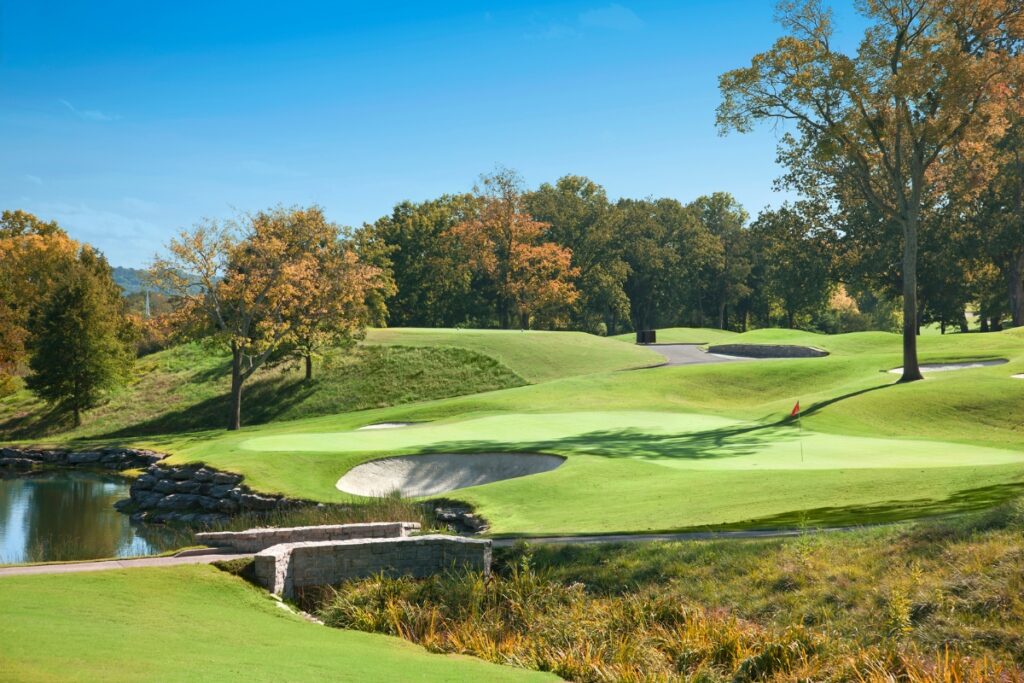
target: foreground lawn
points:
(677, 448)
(194, 623)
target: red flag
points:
(796, 410)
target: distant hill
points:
(131, 280)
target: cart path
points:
(688, 354)
(200, 557)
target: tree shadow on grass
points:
(724, 442)
(262, 401)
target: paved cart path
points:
(199, 557)
(688, 354)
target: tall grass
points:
(932, 602)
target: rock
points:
(218, 490)
(209, 504)
(177, 501)
(17, 463)
(165, 486)
(226, 505)
(83, 457)
(181, 473)
(202, 475)
(254, 501)
(145, 482)
(225, 478)
(123, 505)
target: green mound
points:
(534, 356)
(186, 388)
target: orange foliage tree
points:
(504, 246)
(273, 281)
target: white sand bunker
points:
(1020, 376)
(427, 475)
(385, 425)
(946, 367)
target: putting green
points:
(675, 440)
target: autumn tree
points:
(34, 255)
(531, 277)
(336, 308)
(797, 257)
(80, 338)
(580, 218)
(928, 82)
(247, 284)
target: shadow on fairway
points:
(724, 442)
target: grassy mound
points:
(186, 389)
(534, 356)
(194, 623)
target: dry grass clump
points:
(932, 602)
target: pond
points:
(66, 515)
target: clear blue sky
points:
(126, 121)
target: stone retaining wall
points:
(163, 493)
(284, 569)
(103, 458)
(255, 540)
(196, 494)
(767, 351)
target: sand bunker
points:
(385, 425)
(1021, 376)
(427, 475)
(947, 367)
(766, 351)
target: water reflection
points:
(65, 515)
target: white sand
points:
(384, 425)
(946, 367)
(427, 475)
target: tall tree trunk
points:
(77, 416)
(235, 416)
(1015, 277)
(911, 368)
(721, 316)
(963, 322)
(984, 322)
(309, 366)
(789, 319)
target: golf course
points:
(678, 448)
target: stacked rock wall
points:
(99, 458)
(289, 567)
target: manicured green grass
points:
(684, 447)
(194, 623)
(685, 335)
(534, 356)
(186, 388)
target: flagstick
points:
(800, 423)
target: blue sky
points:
(127, 121)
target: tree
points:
(723, 276)
(530, 276)
(927, 83)
(581, 219)
(433, 285)
(797, 260)
(253, 286)
(34, 255)
(80, 339)
(336, 309)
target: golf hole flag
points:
(796, 410)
